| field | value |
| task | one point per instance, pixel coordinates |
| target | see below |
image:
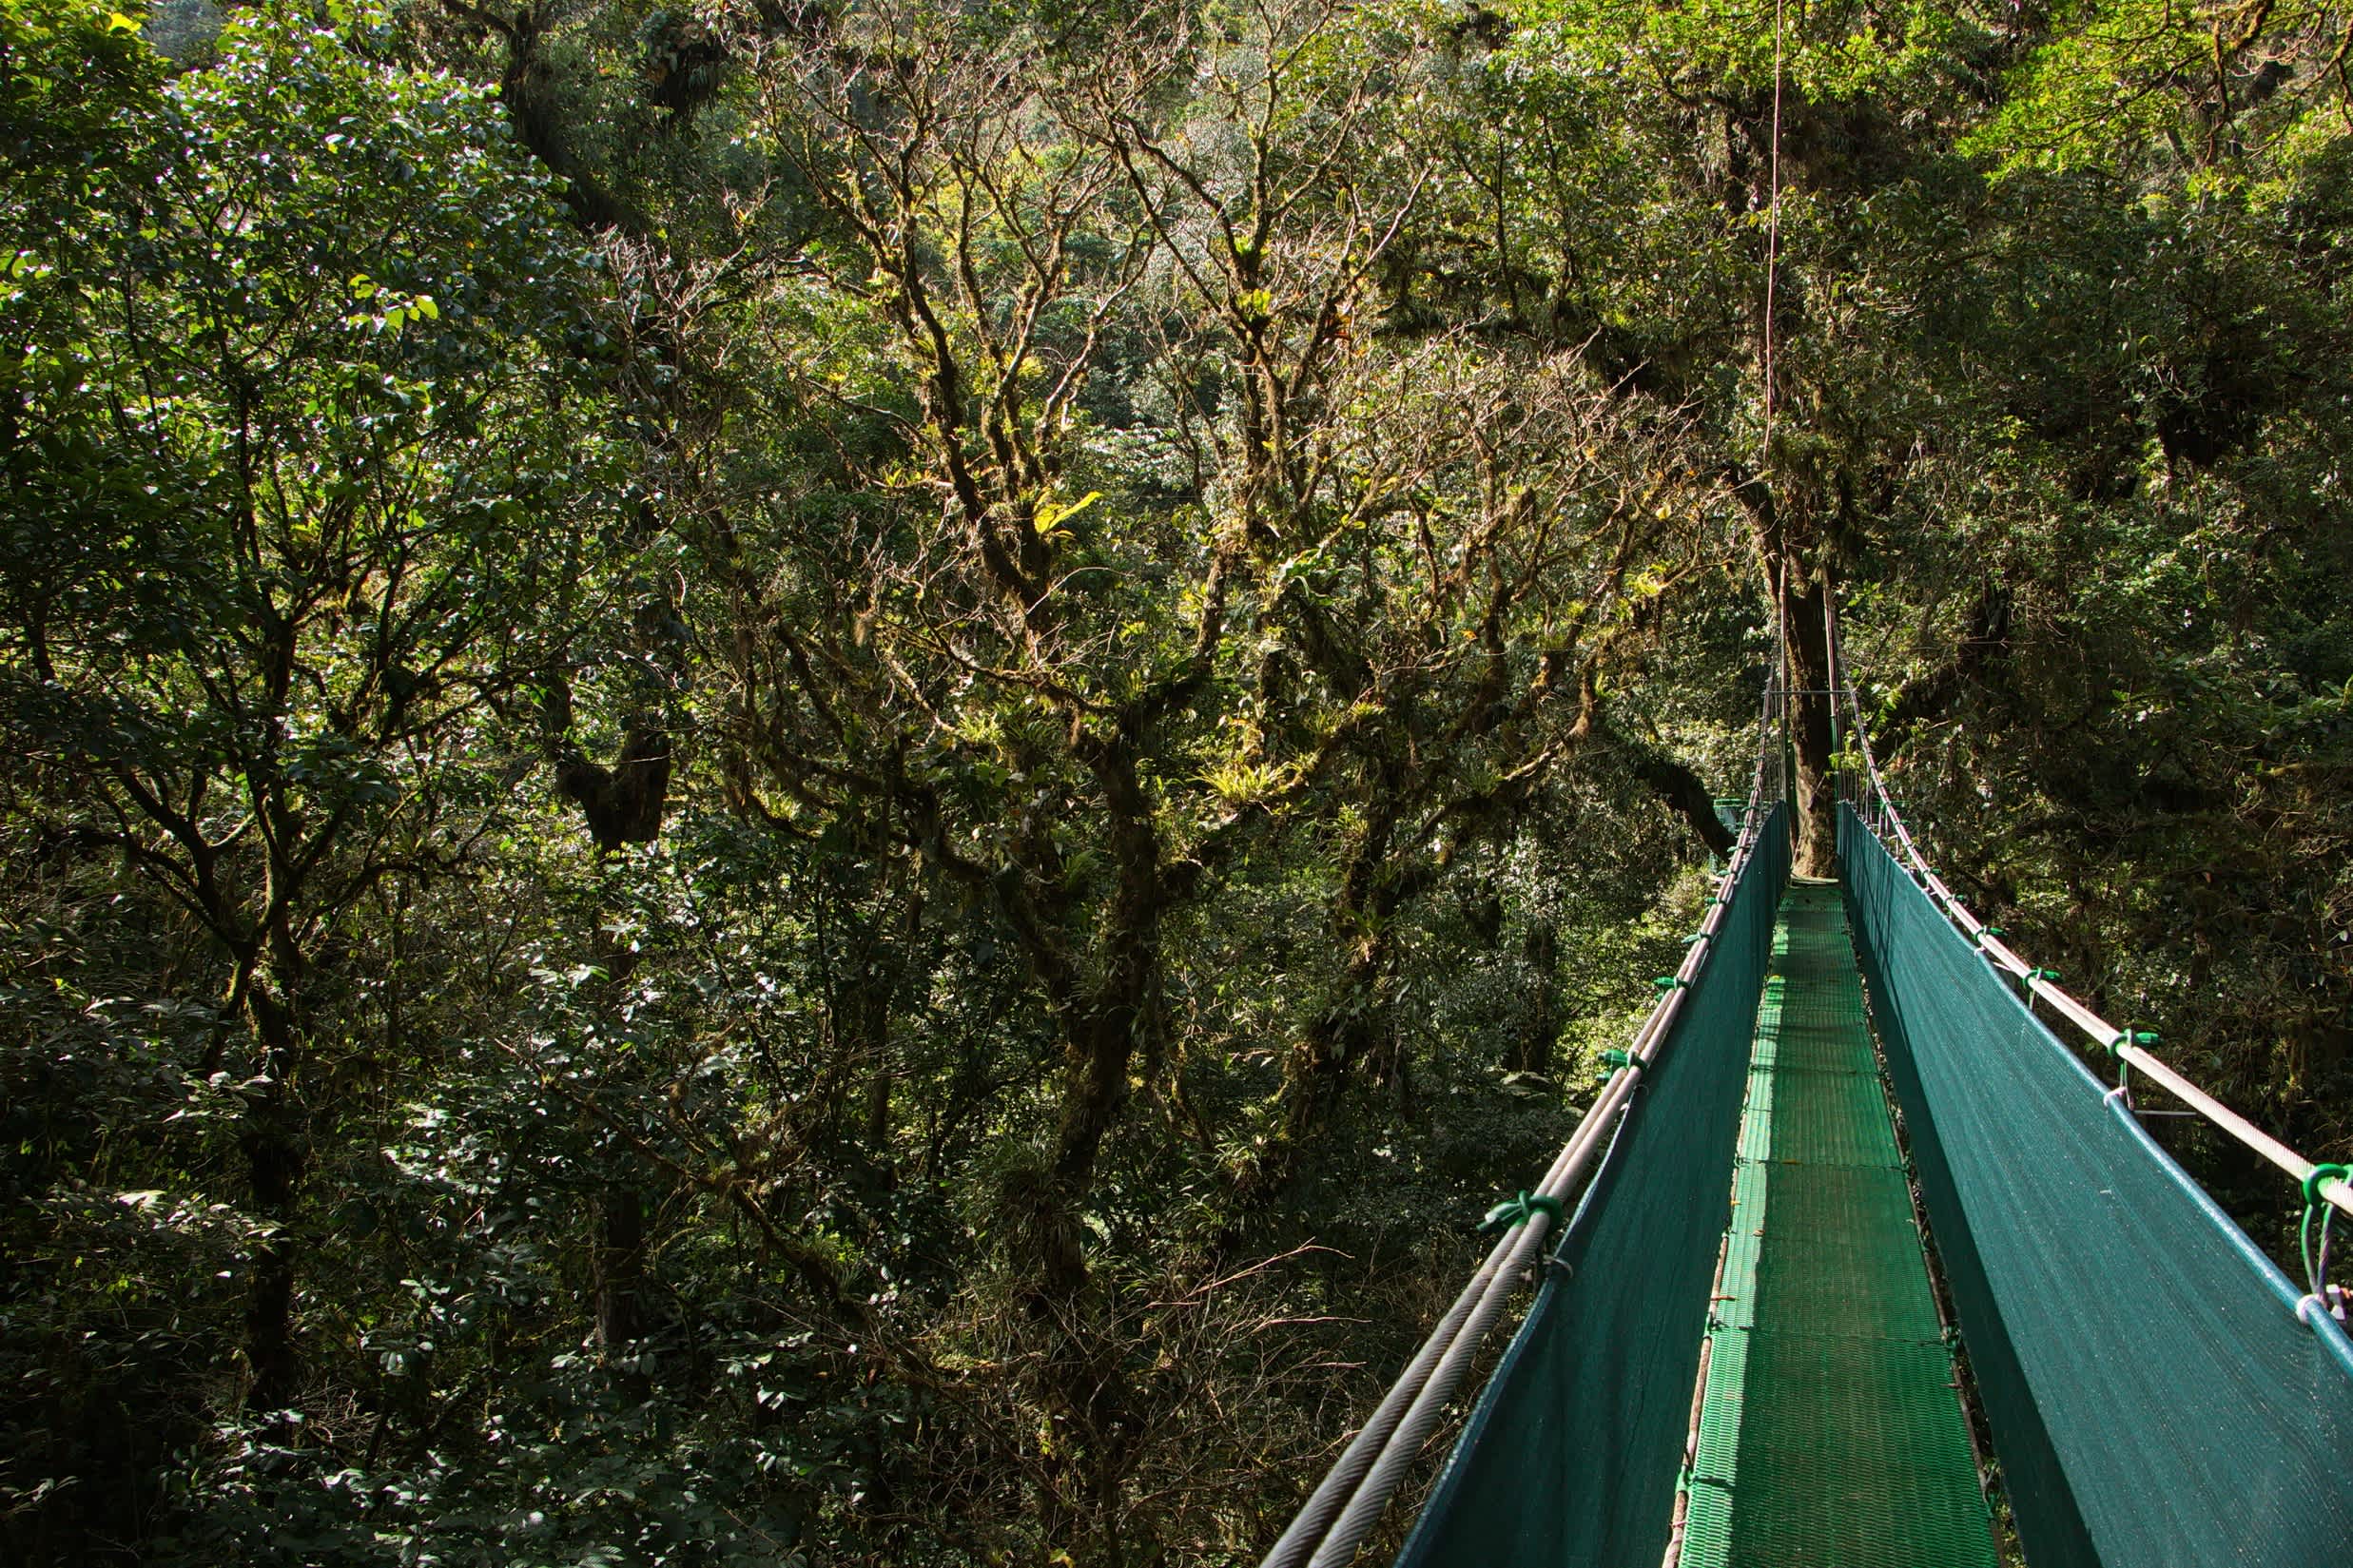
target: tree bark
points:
(1533, 1051)
(1683, 791)
(617, 1251)
(1817, 803)
(1798, 575)
(619, 1266)
(271, 1139)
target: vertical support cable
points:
(1777, 571)
(1773, 237)
(1831, 677)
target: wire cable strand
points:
(1772, 240)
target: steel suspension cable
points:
(1773, 239)
(1346, 1503)
(1881, 817)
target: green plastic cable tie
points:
(2318, 1174)
(1668, 983)
(1615, 1058)
(1695, 936)
(2034, 974)
(1518, 1210)
(2129, 1036)
(1985, 931)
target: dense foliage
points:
(826, 781)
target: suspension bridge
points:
(1854, 1263)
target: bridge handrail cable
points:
(1879, 814)
(1346, 1505)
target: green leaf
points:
(1051, 516)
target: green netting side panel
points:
(1570, 1457)
(2154, 1397)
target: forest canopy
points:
(830, 780)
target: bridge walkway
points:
(1829, 1432)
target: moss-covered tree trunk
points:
(1815, 809)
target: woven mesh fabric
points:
(1571, 1455)
(1830, 1436)
(2153, 1398)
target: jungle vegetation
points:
(827, 781)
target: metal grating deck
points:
(1830, 1434)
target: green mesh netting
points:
(2154, 1399)
(1570, 1457)
(1830, 1435)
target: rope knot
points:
(1518, 1210)
(2320, 1175)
